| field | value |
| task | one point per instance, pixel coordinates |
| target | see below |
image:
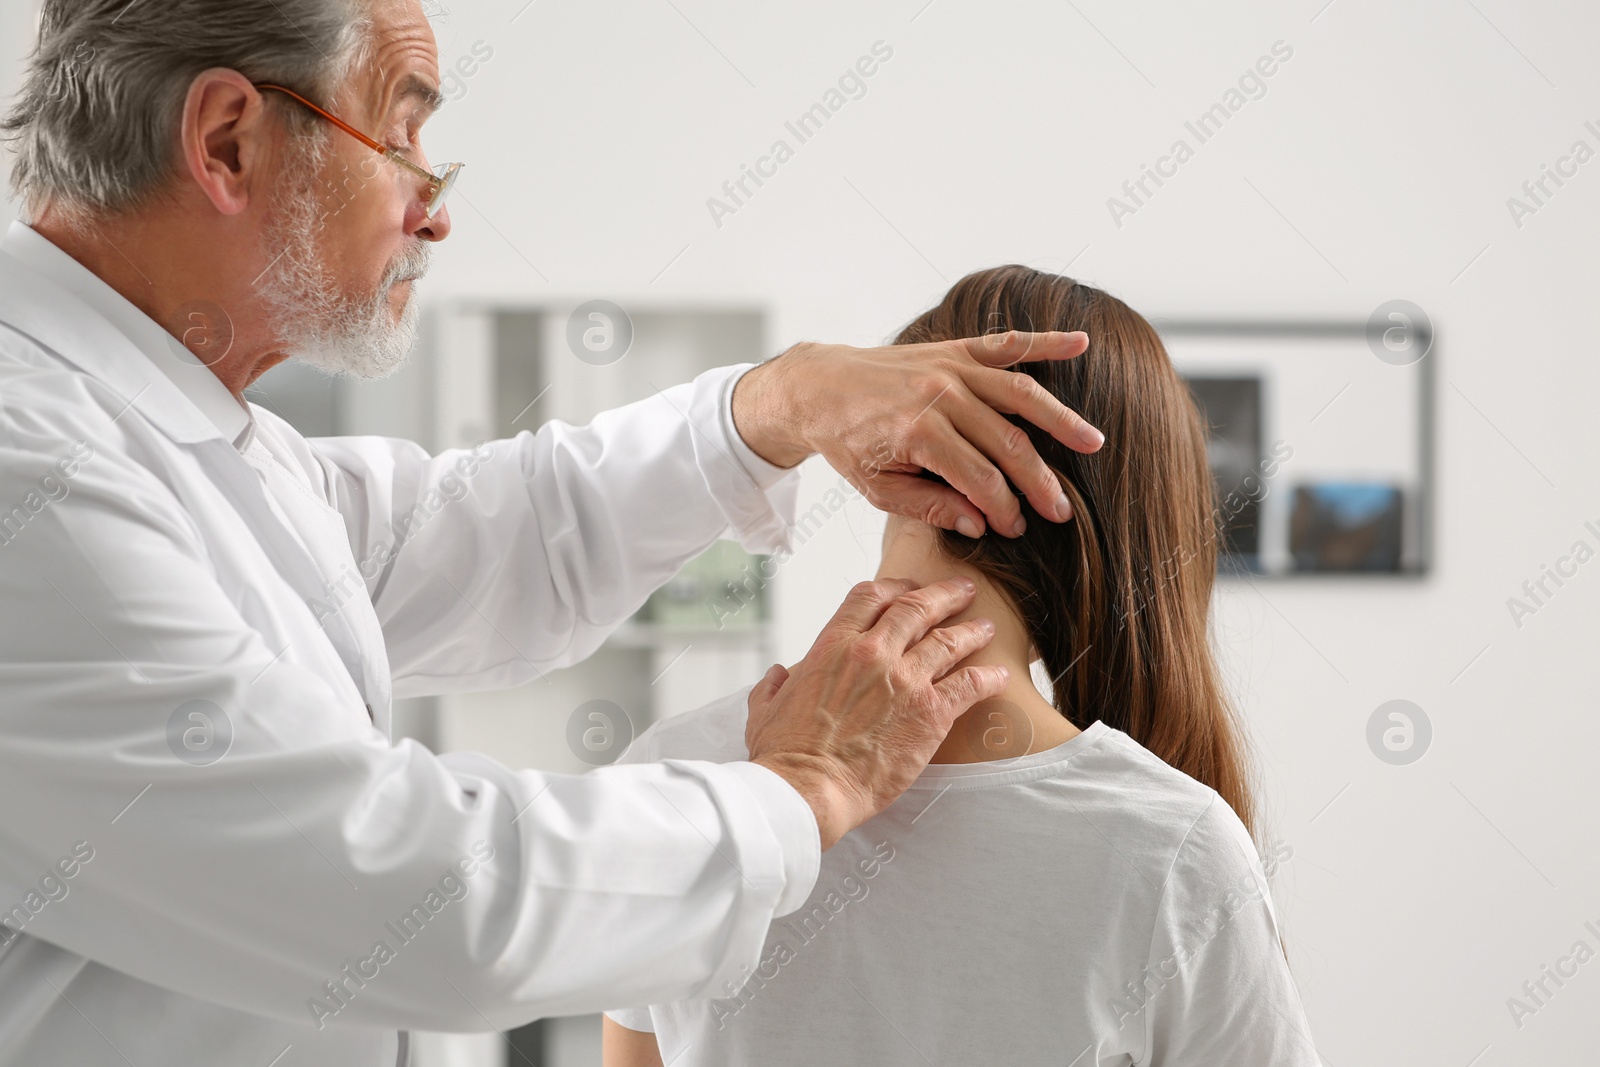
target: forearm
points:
(394, 876)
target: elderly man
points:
(210, 850)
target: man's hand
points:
(855, 722)
(881, 415)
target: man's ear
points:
(225, 138)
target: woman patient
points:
(1073, 881)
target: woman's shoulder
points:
(1126, 766)
(1161, 803)
(714, 732)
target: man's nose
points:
(434, 229)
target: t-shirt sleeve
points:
(632, 1018)
(1216, 987)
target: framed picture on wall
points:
(1320, 443)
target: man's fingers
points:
(946, 646)
(946, 452)
(1021, 394)
(966, 687)
(928, 501)
(1015, 346)
(760, 701)
(867, 602)
(769, 685)
(1009, 445)
(908, 620)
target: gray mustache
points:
(409, 266)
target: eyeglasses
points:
(441, 180)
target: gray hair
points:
(94, 128)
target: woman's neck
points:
(1020, 720)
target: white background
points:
(1378, 166)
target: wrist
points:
(830, 802)
(766, 416)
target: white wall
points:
(1377, 166)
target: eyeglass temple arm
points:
(351, 130)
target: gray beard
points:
(320, 325)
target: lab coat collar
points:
(64, 306)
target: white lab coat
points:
(296, 889)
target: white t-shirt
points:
(1085, 906)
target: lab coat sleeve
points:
(714, 732)
(1216, 987)
(491, 566)
(314, 872)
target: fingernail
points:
(986, 627)
(1063, 507)
(1091, 437)
(967, 584)
(1020, 528)
(967, 528)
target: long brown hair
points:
(1116, 601)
